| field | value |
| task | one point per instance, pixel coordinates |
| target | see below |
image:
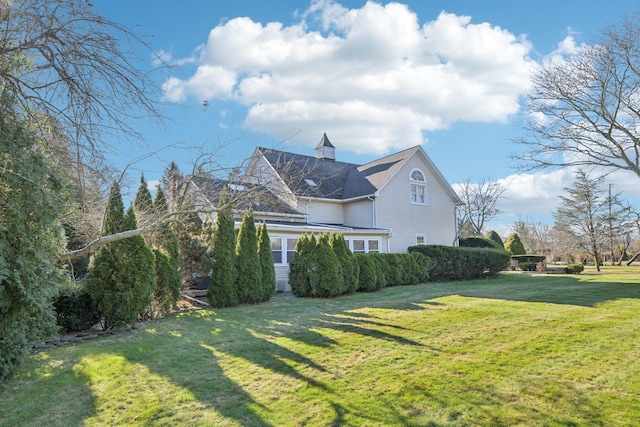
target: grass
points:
(524, 349)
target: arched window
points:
(418, 183)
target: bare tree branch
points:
(585, 110)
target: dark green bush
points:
(303, 268)
(75, 310)
(479, 242)
(122, 275)
(514, 245)
(574, 269)
(421, 266)
(350, 270)
(329, 279)
(527, 266)
(455, 263)
(249, 277)
(222, 289)
(266, 263)
(368, 280)
(528, 262)
(492, 235)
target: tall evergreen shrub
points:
(31, 204)
(266, 263)
(514, 245)
(249, 279)
(121, 277)
(329, 281)
(222, 290)
(350, 270)
(303, 267)
(167, 251)
(368, 269)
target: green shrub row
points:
(325, 267)
(380, 270)
(455, 263)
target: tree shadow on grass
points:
(544, 288)
(163, 375)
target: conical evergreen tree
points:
(303, 268)
(514, 245)
(266, 263)
(143, 203)
(330, 278)
(249, 280)
(368, 268)
(121, 277)
(350, 270)
(136, 272)
(166, 251)
(114, 213)
(222, 289)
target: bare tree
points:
(588, 211)
(63, 60)
(585, 110)
(480, 204)
(536, 237)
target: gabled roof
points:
(308, 176)
(247, 195)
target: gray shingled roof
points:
(333, 179)
(261, 200)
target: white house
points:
(386, 205)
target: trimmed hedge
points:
(574, 269)
(316, 270)
(479, 242)
(528, 262)
(456, 263)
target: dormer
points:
(325, 150)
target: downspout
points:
(374, 220)
(373, 211)
(455, 225)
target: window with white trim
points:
(421, 239)
(276, 249)
(283, 249)
(363, 246)
(291, 249)
(418, 183)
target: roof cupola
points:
(325, 150)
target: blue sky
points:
(377, 77)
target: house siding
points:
(359, 213)
(435, 220)
(322, 212)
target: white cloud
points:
(153, 184)
(537, 196)
(372, 75)
(568, 47)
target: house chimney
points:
(325, 150)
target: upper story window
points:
(418, 183)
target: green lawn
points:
(524, 349)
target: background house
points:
(383, 206)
